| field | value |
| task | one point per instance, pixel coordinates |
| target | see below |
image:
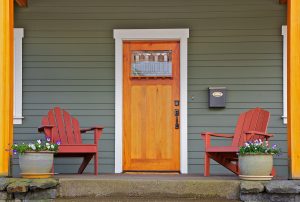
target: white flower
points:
(246, 144)
(39, 141)
(47, 144)
(33, 147)
(52, 146)
(48, 147)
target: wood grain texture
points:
(6, 83)
(151, 142)
(294, 86)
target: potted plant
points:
(36, 159)
(256, 160)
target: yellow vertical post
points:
(294, 87)
(6, 83)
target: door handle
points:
(176, 119)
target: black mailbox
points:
(217, 96)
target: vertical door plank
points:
(151, 122)
(166, 115)
(137, 120)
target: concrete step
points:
(149, 186)
(139, 199)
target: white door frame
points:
(150, 34)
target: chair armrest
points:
(42, 128)
(97, 132)
(258, 133)
(217, 135)
(84, 130)
(206, 137)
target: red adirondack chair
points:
(59, 125)
(251, 125)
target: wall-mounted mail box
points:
(217, 97)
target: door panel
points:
(151, 142)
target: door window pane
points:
(151, 63)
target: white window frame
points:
(284, 77)
(121, 35)
(18, 38)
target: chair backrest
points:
(66, 130)
(253, 120)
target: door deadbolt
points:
(176, 119)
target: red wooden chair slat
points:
(45, 122)
(250, 121)
(76, 129)
(251, 125)
(260, 125)
(69, 129)
(238, 129)
(61, 126)
(256, 120)
(54, 133)
(264, 122)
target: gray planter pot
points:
(258, 166)
(36, 163)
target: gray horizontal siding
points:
(194, 48)
(68, 60)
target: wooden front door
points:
(151, 106)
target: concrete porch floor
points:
(158, 176)
(147, 186)
(138, 199)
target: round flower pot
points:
(36, 164)
(256, 166)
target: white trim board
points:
(150, 34)
(284, 77)
(18, 37)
